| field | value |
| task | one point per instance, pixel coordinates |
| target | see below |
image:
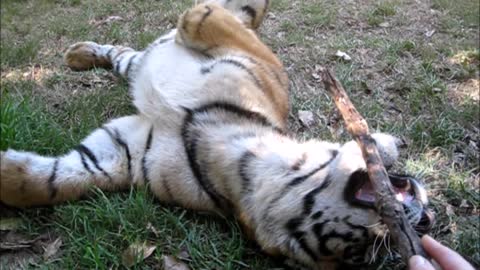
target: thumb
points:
(417, 262)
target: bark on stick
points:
(391, 210)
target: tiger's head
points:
(336, 220)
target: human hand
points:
(446, 258)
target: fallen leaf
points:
(151, 228)
(430, 33)
(184, 255)
(306, 118)
(52, 248)
(137, 252)
(464, 204)
(10, 224)
(272, 15)
(15, 241)
(449, 210)
(106, 20)
(171, 263)
(343, 56)
(13, 246)
(384, 24)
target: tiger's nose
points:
(426, 222)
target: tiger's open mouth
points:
(408, 191)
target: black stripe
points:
(300, 237)
(109, 52)
(84, 162)
(356, 227)
(294, 223)
(299, 163)
(117, 66)
(323, 239)
(205, 70)
(292, 227)
(243, 67)
(250, 11)
(190, 139)
(163, 40)
(144, 159)
(298, 180)
(83, 149)
(204, 17)
(278, 78)
(238, 111)
(118, 139)
(120, 56)
(244, 163)
(51, 186)
(265, 66)
(317, 215)
(318, 232)
(309, 199)
(130, 62)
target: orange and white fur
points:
(209, 134)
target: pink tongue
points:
(367, 194)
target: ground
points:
(414, 72)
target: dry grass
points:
(414, 72)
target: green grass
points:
(18, 54)
(399, 80)
(97, 231)
(465, 10)
(27, 121)
(380, 12)
(318, 13)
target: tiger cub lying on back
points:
(210, 135)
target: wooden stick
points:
(391, 210)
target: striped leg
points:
(87, 55)
(109, 158)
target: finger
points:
(446, 258)
(417, 262)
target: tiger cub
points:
(210, 135)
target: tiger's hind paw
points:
(18, 186)
(86, 55)
(208, 26)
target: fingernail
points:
(417, 262)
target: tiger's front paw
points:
(86, 55)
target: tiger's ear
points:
(388, 147)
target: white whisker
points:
(373, 225)
(389, 248)
(374, 250)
